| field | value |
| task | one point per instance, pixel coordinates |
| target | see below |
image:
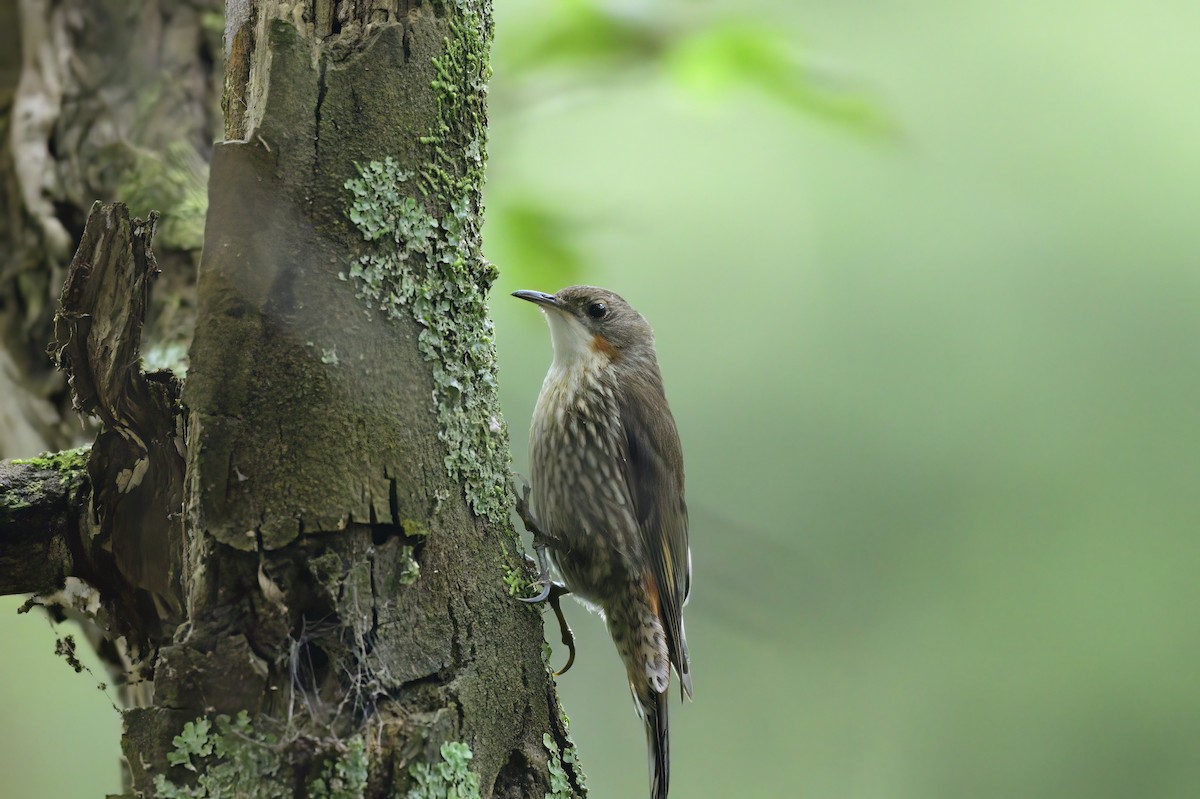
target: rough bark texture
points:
(40, 524)
(347, 491)
(109, 99)
(109, 515)
(331, 612)
(136, 464)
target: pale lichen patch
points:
(425, 260)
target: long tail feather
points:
(657, 748)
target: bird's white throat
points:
(577, 365)
(573, 346)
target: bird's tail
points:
(657, 749)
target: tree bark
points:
(333, 615)
(109, 515)
(40, 524)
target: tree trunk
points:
(333, 615)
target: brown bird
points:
(607, 474)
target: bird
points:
(608, 493)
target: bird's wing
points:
(654, 477)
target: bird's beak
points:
(538, 297)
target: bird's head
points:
(587, 322)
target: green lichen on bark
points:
(411, 570)
(451, 777)
(229, 757)
(424, 259)
(560, 782)
(570, 755)
(11, 502)
(343, 776)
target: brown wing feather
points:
(654, 476)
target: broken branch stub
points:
(136, 465)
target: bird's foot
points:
(557, 592)
(523, 508)
(550, 590)
(543, 574)
(540, 540)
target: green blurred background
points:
(938, 390)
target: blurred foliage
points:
(543, 240)
(174, 183)
(586, 36)
(572, 46)
(718, 59)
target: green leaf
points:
(581, 33)
(733, 56)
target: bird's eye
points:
(597, 310)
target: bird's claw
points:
(542, 595)
(539, 542)
(543, 564)
(564, 629)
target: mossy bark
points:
(346, 501)
(345, 569)
(40, 504)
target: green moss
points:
(327, 569)
(520, 585)
(431, 267)
(458, 139)
(414, 528)
(68, 462)
(174, 183)
(516, 582)
(411, 569)
(229, 758)
(451, 778)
